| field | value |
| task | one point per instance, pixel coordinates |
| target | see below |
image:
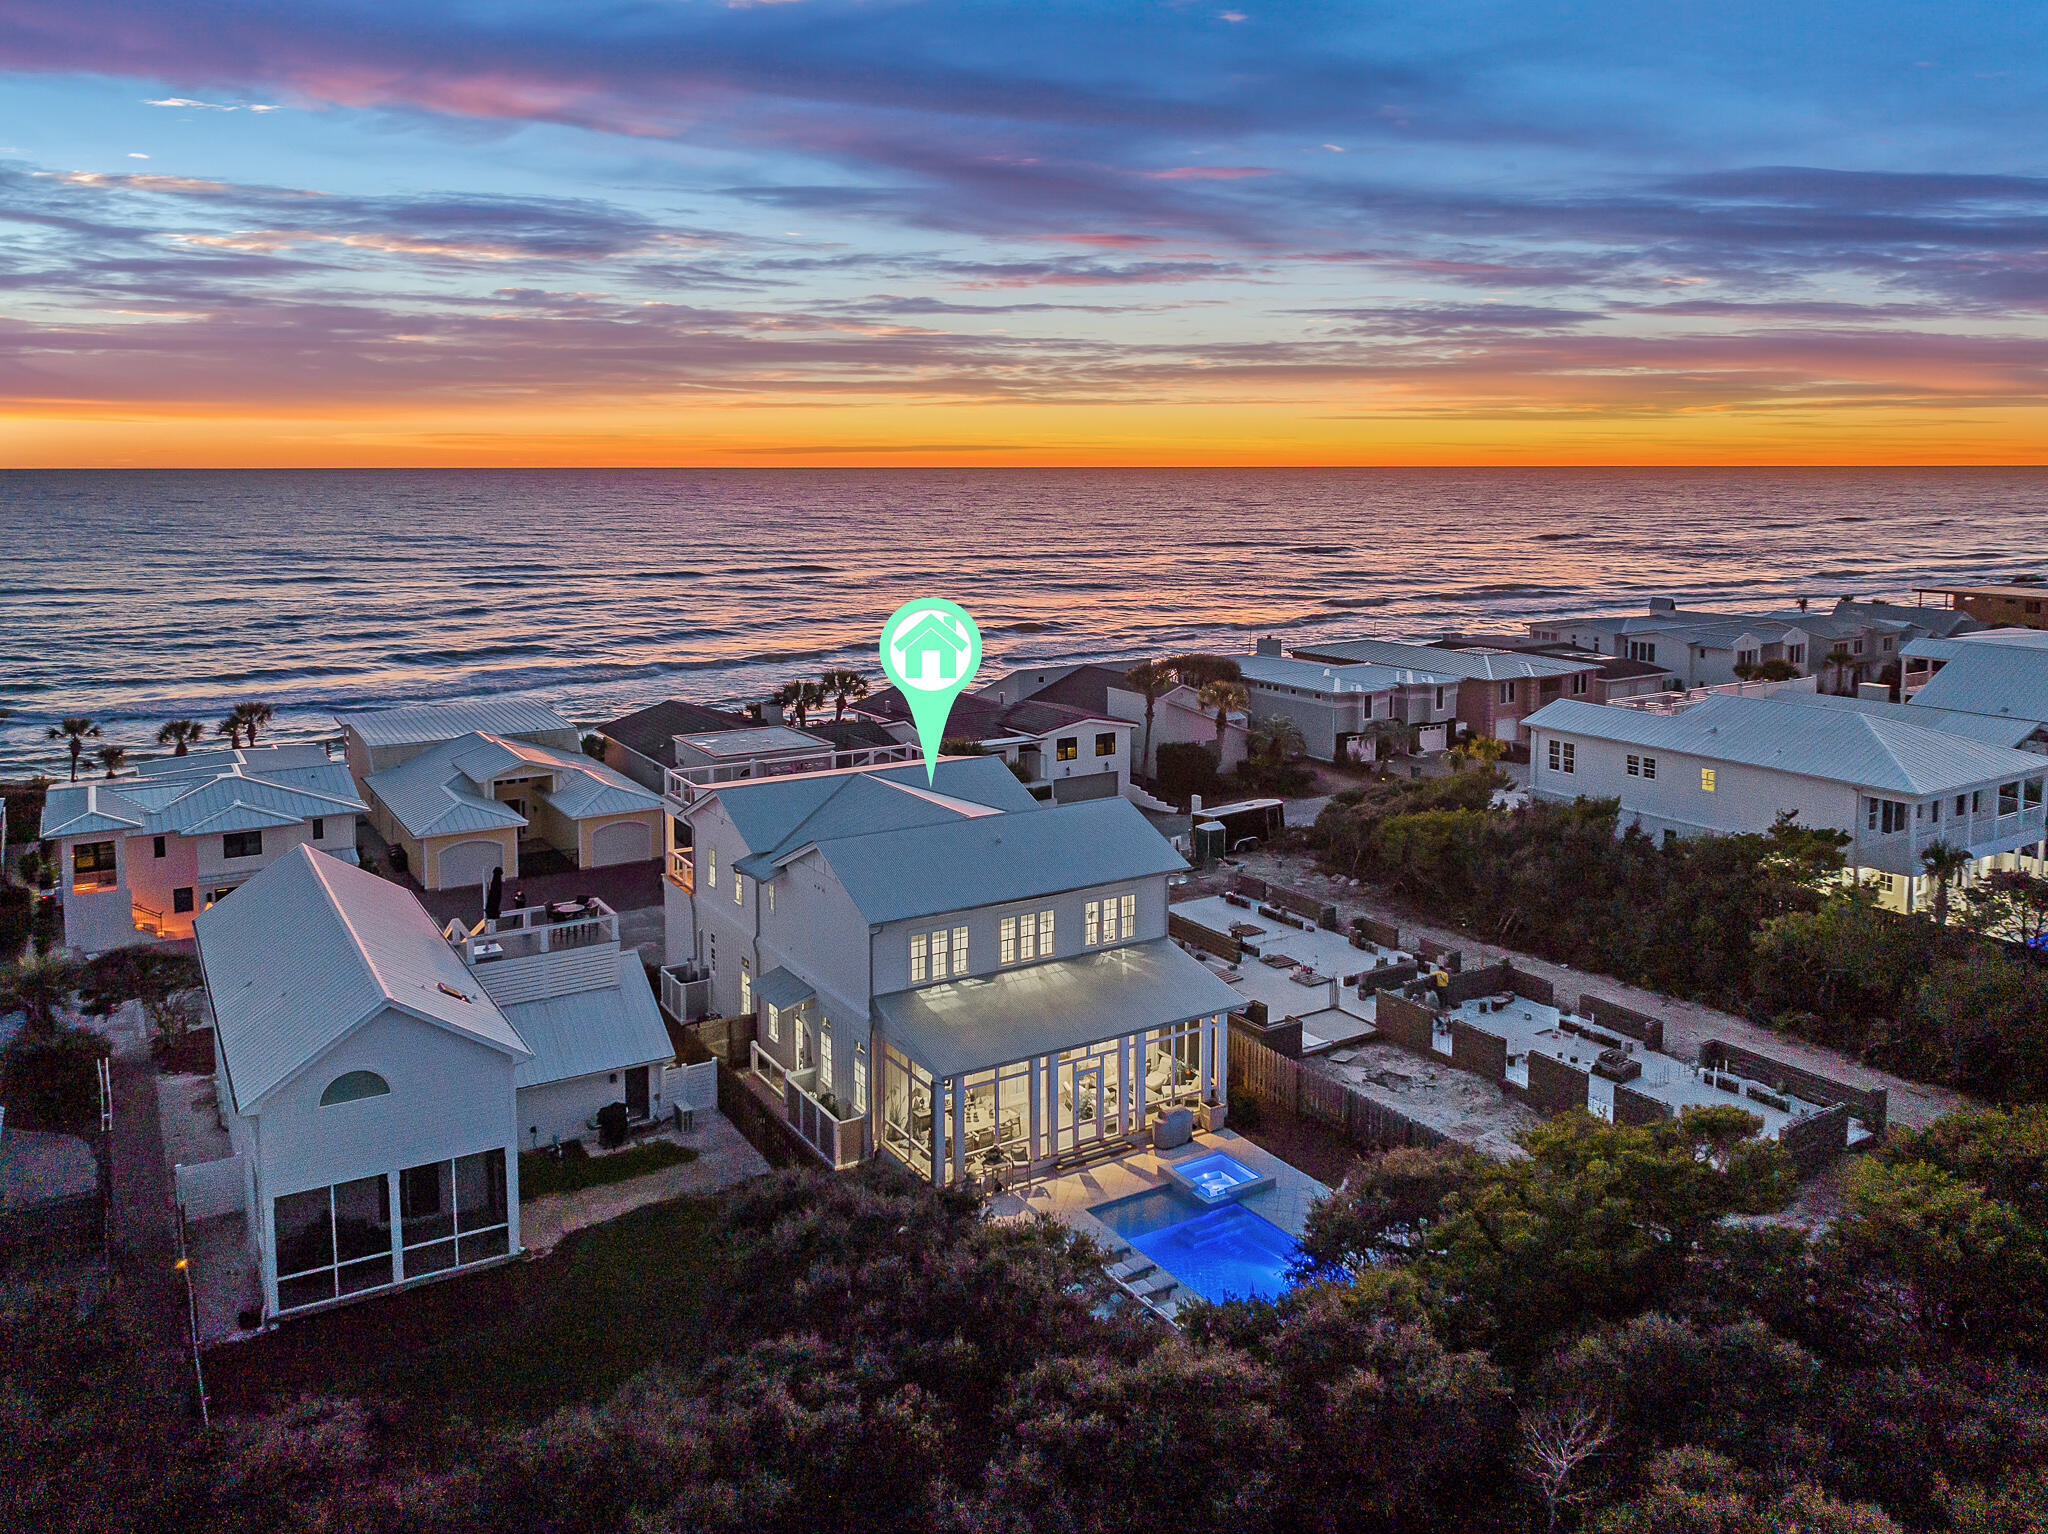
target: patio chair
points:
(1153, 1287)
(1135, 1266)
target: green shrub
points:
(542, 1172)
(52, 1080)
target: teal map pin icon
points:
(931, 650)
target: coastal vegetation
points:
(1584, 1339)
(1757, 924)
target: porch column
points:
(1037, 1108)
(956, 1090)
(1220, 1055)
(938, 1145)
(1134, 1082)
(1205, 1056)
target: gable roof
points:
(975, 716)
(1337, 677)
(310, 949)
(423, 723)
(651, 731)
(196, 796)
(1471, 665)
(969, 861)
(1838, 745)
(775, 815)
(441, 791)
(1992, 729)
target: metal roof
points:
(1474, 665)
(442, 790)
(962, 863)
(186, 799)
(775, 814)
(1335, 678)
(309, 950)
(754, 740)
(782, 989)
(1837, 745)
(2002, 679)
(1992, 729)
(651, 731)
(610, 1029)
(1039, 1009)
(423, 723)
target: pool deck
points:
(1071, 1196)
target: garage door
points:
(469, 864)
(623, 841)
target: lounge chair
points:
(1135, 1266)
(1153, 1287)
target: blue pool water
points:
(1220, 1254)
(1216, 1176)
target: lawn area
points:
(512, 1343)
(541, 1174)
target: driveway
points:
(1687, 1024)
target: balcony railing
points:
(1980, 835)
(835, 1141)
(683, 785)
(682, 869)
(535, 929)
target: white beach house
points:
(379, 1078)
(142, 856)
(1734, 764)
(953, 972)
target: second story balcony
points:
(537, 951)
(682, 786)
(1981, 836)
(682, 869)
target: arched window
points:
(350, 1085)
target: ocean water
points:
(140, 596)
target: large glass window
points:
(242, 844)
(860, 1080)
(1006, 940)
(1068, 747)
(825, 1077)
(1091, 924)
(2009, 798)
(1173, 1064)
(959, 952)
(1128, 905)
(938, 948)
(920, 950)
(1105, 743)
(746, 986)
(906, 1109)
(92, 866)
(1045, 933)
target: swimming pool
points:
(1219, 1254)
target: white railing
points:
(209, 1188)
(1678, 702)
(1980, 835)
(682, 868)
(534, 930)
(682, 785)
(685, 996)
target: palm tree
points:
(1483, 749)
(843, 687)
(230, 727)
(1840, 659)
(74, 733)
(112, 758)
(1149, 678)
(180, 734)
(1225, 697)
(252, 715)
(1275, 739)
(800, 698)
(1943, 862)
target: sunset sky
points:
(244, 232)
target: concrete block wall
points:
(1476, 1050)
(1531, 987)
(1616, 1018)
(1870, 1105)
(1408, 1023)
(1385, 933)
(1187, 930)
(1490, 980)
(1814, 1142)
(1555, 1087)
(1281, 1035)
(1636, 1108)
(1441, 955)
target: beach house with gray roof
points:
(948, 971)
(142, 856)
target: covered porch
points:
(1052, 1063)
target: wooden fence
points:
(1276, 1081)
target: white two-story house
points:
(378, 1077)
(951, 972)
(142, 856)
(1728, 765)
(1337, 707)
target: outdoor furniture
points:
(1136, 1265)
(489, 950)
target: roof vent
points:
(448, 990)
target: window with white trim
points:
(739, 888)
(1649, 766)
(860, 1080)
(938, 950)
(770, 888)
(1635, 766)
(746, 986)
(919, 946)
(774, 1021)
(959, 952)
(711, 868)
(825, 1053)
(1091, 923)
(1129, 907)
(1006, 940)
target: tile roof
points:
(1866, 749)
(651, 731)
(310, 949)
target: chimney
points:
(1194, 804)
(1269, 644)
(1663, 605)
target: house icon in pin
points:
(931, 652)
